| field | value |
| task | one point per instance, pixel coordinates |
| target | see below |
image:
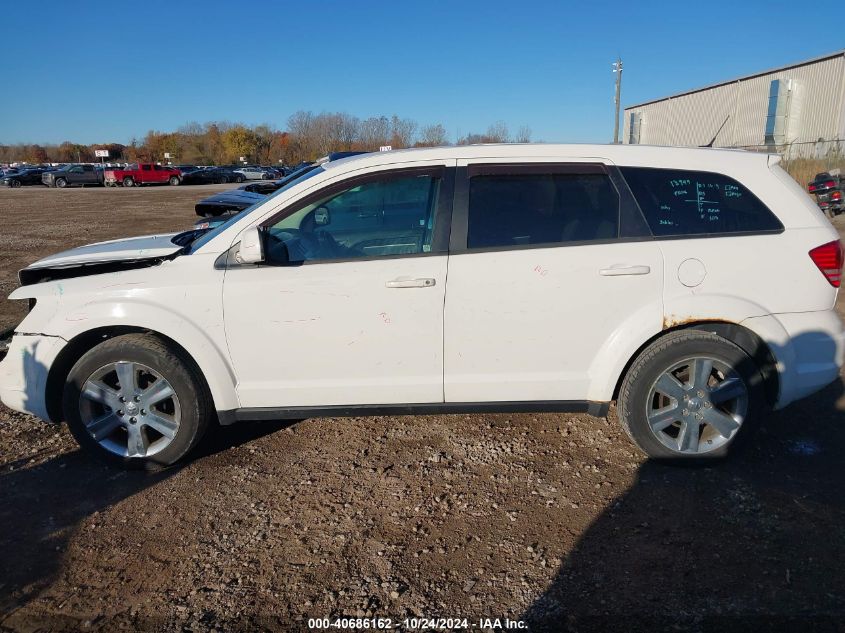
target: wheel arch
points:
(83, 342)
(741, 336)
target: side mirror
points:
(251, 250)
(322, 217)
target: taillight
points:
(836, 195)
(828, 258)
(812, 187)
(829, 183)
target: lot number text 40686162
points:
(417, 624)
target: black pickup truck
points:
(71, 175)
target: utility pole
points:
(617, 68)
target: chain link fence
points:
(806, 159)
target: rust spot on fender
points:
(673, 321)
(670, 321)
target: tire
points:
(239, 178)
(679, 429)
(14, 183)
(128, 182)
(61, 183)
(174, 180)
(134, 441)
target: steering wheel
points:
(306, 245)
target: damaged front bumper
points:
(24, 371)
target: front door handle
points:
(617, 270)
(424, 282)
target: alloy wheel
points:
(697, 405)
(130, 409)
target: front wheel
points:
(61, 183)
(691, 395)
(239, 178)
(174, 180)
(136, 403)
(15, 183)
(128, 182)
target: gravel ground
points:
(556, 520)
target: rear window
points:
(679, 202)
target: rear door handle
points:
(423, 282)
(617, 270)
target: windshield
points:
(294, 179)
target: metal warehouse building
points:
(797, 110)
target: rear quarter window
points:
(682, 203)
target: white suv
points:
(694, 286)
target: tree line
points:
(308, 136)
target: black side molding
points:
(597, 409)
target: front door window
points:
(379, 218)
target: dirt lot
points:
(555, 519)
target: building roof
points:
(806, 62)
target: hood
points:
(134, 248)
(102, 257)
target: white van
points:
(693, 286)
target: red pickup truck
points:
(142, 174)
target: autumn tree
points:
(240, 141)
(308, 137)
(496, 133)
(524, 135)
(374, 132)
(433, 136)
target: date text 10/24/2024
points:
(417, 624)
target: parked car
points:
(143, 174)
(252, 173)
(23, 177)
(73, 175)
(244, 196)
(693, 286)
(273, 173)
(211, 175)
(227, 201)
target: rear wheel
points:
(61, 183)
(135, 402)
(174, 180)
(128, 182)
(691, 395)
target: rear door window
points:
(683, 203)
(521, 209)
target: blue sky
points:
(107, 71)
